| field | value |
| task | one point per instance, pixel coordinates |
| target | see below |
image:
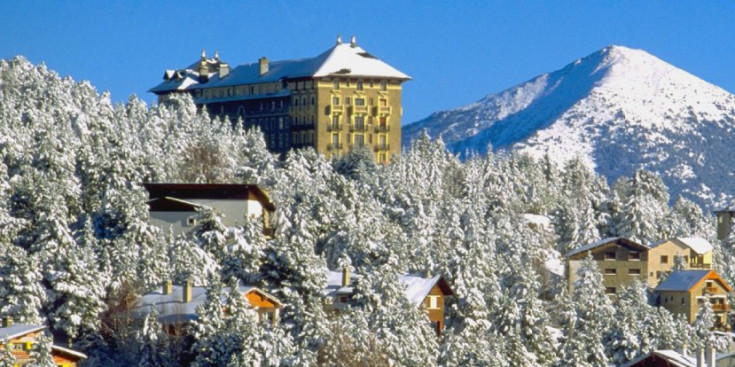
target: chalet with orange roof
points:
(21, 339)
(684, 292)
(177, 305)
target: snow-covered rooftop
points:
(171, 307)
(591, 246)
(417, 287)
(682, 280)
(697, 244)
(343, 59)
(18, 330)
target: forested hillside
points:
(76, 247)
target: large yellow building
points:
(341, 99)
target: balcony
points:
(720, 307)
(694, 265)
(382, 129)
(358, 128)
(384, 110)
(710, 290)
(381, 147)
(360, 109)
(334, 146)
(334, 127)
(334, 109)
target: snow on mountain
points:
(619, 109)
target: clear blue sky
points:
(456, 52)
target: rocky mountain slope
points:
(619, 109)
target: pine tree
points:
(153, 341)
(41, 353)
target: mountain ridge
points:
(619, 109)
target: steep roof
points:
(696, 244)
(183, 191)
(172, 309)
(18, 330)
(673, 358)
(605, 241)
(417, 287)
(685, 280)
(343, 59)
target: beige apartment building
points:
(339, 100)
(621, 260)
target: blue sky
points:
(456, 52)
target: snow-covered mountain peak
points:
(618, 108)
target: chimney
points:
(353, 42)
(203, 68)
(7, 321)
(339, 40)
(224, 70)
(684, 350)
(711, 357)
(700, 357)
(345, 276)
(263, 65)
(167, 287)
(186, 291)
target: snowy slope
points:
(619, 109)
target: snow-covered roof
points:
(343, 59)
(682, 280)
(417, 287)
(68, 351)
(672, 357)
(697, 244)
(591, 246)
(540, 220)
(18, 330)
(172, 309)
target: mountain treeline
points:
(76, 248)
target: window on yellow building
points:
(610, 290)
(335, 101)
(664, 259)
(335, 84)
(611, 271)
(634, 271)
(359, 85)
(383, 85)
(359, 101)
(634, 256)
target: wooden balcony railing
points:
(719, 307)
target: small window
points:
(683, 300)
(347, 101)
(664, 259)
(611, 271)
(343, 299)
(610, 290)
(634, 271)
(359, 85)
(433, 302)
(335, 84)
(335, 101)
(634, 256)
(383, 102)
(383, 85)
(191, 221)
(359, 101)
(610, 255)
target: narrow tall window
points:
(359, 85)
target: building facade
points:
(426, 294)
(621, 260)
(176, 205)
(21, 339)
(339, 100)
(684, 291)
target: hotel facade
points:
(339, 100)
